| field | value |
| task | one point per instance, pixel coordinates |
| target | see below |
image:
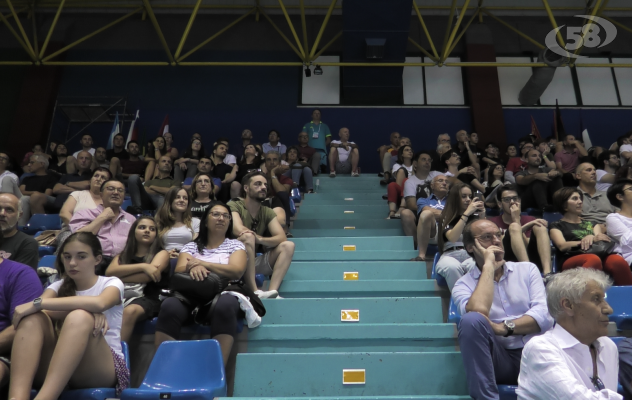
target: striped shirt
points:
(219, 255)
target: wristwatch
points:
(510, 325)
(38, 303)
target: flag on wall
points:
(534, 129)
(558, 126)
(165, 126)
(133, 130)
(115, 131)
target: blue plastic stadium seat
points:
(259, 278)
(295, 195)
(192, 369)
(619, 299)
(47, 261)
(434, 275)
(551, 216)
(42, 222)
(292, 208)
(454, 317)
(94, 393)
(507, 392)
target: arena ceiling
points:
(459, 14)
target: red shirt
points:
(284, 180)
(306, 152)
(516, 165)
(498, 220)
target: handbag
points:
(199, 292)
(601, 249)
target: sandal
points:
(418, 259)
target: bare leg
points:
(38, 201)
(386, 162)
(314, 163)
(382, 151)
(160, 337)
(426, 228)
(235, 189)
(333, 157)
(248, 240)
(408, 225)
(517, 244)
(71, 165)
(355, 159)
(280, 258)
(544, 247)
(32, 351)
(115, 166)
(226, 344)
(131, 315)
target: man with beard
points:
(119, 149)
(151, 195)
(222, 171)
(100, 158)
(205, 166)
(17, 246)
(257, 227)
(124, 168)
(246, 139)
(279, 188)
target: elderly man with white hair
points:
(574, 360)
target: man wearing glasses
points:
(258, 228)
(520, 247)
(574, 360)
(37, 190)
(108, 222)
(503, 305)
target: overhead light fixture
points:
(318, 70)
(308, 72)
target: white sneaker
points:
(270, 294)
(355, 174)
(332, 174)
(259, 292)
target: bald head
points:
(344, 134)
(487, 234)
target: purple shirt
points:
(111, 235)
(569, 160)
(19, 284)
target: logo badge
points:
(596, 33)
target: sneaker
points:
(355, 174)
(258, 292)
(381, 174)
(279, 297)
(270, 294)
(332, 174)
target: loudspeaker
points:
(375, 48)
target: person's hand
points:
(515, 212)
(21, 311)
(108, 214)
(174, 253)
(247, 231)
(543, 176)
(282, 168)
(587, 241)
(464, 170)
(152, 272)
(490, 254)
(100, 324)
(602, 238)
(474, 206)
(183, 166)
(467, 145)
(499, 328)
(198, 273)
(553, 173)
(471, 170)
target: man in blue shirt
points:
(319, 135)
(503, 305)
(428, 213)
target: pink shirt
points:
(111, 235)
(569, 161)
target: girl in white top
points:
(89, 309)
(85, 199)
(402, 169)
(176, 226)
(214, 252)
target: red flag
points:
(558, 126)
(534, 129)
(165, 126)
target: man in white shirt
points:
(503, 305)
(625, 149)
(607, 165)
(229, 159)
(86, 145)
(575, 360)
(344, 155)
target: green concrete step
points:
(350, 337)
(372, 310)
(386, 374)
(367, 270)
(363, 255)
(356, 215)
(338, 245)
(319, 223)
(436, 397)
(310, 289)
(357, 200)
(307, 233)
(342, 194)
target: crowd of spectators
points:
(209, 215)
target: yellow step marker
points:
(353, 376)
(349, 227)
(348, 247)
(349, 315)
(349, 212)
(348, 198)
(350, 276)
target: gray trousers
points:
(179, 175)
(8, 185)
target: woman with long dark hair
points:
(495, 179)
(186, 167)
(58, 159)
(155, 150)
(213, 251)
(85, 351)
(176, 226)
(402, 169)
(250, 161)
(143, 268)
(461, 208)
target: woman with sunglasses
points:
(574, 236)
(214, 251)
(461, 208)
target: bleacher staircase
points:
(350, 262)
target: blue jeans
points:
(487, 363)
(295, 174)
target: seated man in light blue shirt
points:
(503, 305)
(428, 214)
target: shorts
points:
(343, 167)
(150, 305)
(122, 373)
(262, 264)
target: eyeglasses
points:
(508, 200)
(488, 237)
(218, 215)
(4, 158)
(113, 189)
